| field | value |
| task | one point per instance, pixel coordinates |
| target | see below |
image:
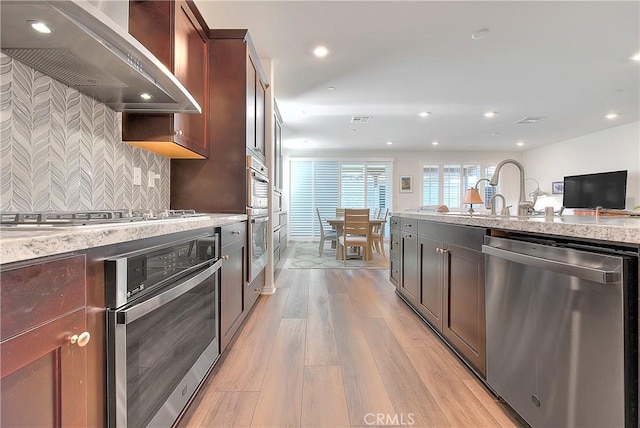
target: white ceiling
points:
(565, 61)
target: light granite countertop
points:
(17, 244)
(610, 229)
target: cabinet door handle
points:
(439, 250)
(80, 340)
(179, 132)
(407, 225)
(235, 232)
(256, 290)
(444, 251)
(225, 257)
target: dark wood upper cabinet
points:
(173, 33)
(219, 183)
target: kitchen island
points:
(510, 293)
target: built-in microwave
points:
(257, 184)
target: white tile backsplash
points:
(62, 150)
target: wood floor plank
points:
(225, 409)
(335, 281)
(409, 395)
(296, 306)
(457, 402)
(323, 400)
(358, 284)
(407, 327)
(500, 411)
(320, 347)
(280, 400)
(364, 387)
(246, 362)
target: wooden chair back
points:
(356, 222)
(340, 212)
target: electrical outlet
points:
(137, 176)
(152, 179)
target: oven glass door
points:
(163, 349)
(258, 246)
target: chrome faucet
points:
(505, 208)
(524, 206)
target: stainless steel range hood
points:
(90, 52)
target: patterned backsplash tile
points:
(62, 150)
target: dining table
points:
(338, 224)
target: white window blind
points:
(329, 184)
(430, 185)
(445, 184)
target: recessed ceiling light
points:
(321, 51)
(39, 26)
(331, 88)
(435, 143)
(145, 96)
(611, 115)
(635, 57)
(389, 143)
(480, 34)
(352, 130)
(423, 114)
(493, 134)
(520, 143)
(490, 114)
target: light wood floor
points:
(338, 348)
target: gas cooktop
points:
(97, 217)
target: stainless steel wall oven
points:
(258, 213)
(162, 328)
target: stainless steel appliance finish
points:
(162, 329)
(258, 241)
(560, 347)
(90, 52)
(257, 184)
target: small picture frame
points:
(406, 183)
(557, 187)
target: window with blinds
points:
(328, 184)
(446, 183)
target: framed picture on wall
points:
(406, 183)
(557, 187)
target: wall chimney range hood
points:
(90, 52)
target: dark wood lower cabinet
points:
(233, 305)
(431, 281)
(43, 358)
(442, 277)
(464, 305)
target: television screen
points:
(605, 189)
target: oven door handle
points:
(259, 177)
(135, 312)
(259, 220)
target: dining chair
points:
(356, 232)
(330, 235)
(376, 213)
(377, 236)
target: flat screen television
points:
(606, 189)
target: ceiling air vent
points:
(361, 119)
(530, 119)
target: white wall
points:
(410, 163)
(609, 150)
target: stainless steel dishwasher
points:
(562, 332)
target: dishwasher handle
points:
(584, 272)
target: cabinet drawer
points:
(394, 243)
(462, 236)
(32, 295)
(394, 274)
(409, 225)
(233, 232)
(394, 223)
